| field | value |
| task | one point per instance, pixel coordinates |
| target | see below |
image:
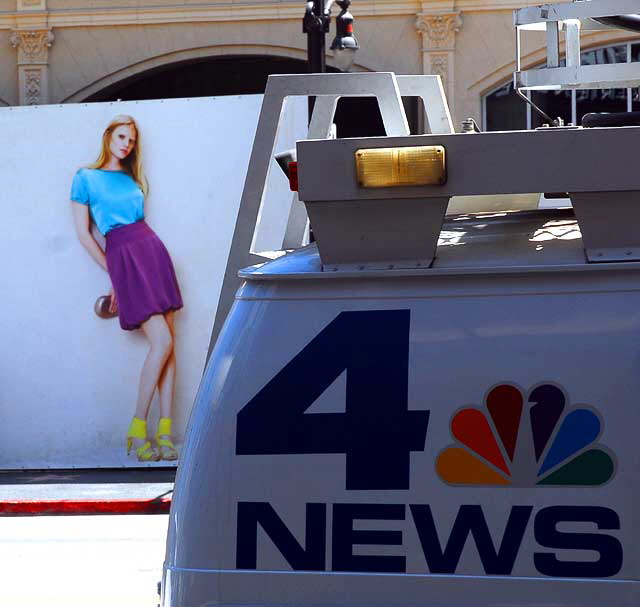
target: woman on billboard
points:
(145, 292)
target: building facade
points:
(61, 51)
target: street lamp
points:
(315, 24)
(344, 45)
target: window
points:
(504, 110)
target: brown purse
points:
(101, 307)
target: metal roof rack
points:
(572, 18)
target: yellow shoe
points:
(163, 440)
(138, 431)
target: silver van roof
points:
(506, 241)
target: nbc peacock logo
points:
(526, 442)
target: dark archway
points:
(240, 75)
(213, 76)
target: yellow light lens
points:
(386, 167)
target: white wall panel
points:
(68, 379)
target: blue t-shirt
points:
(113, 197)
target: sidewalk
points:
(82, 561)
(80, 491)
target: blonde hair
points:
(132, 164)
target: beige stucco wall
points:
(84, 60)
(389, 44)
(485, 57)
(97, 43)
(8, 77)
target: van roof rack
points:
(572, 18)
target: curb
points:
(85, 507)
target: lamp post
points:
(315, 24)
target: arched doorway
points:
(221, 75)
(237, 75)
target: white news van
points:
(420, 410)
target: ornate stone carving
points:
(438, 30)
(33, 58)
(440, 67)
(32, 86)
(33, 46)
(438, 46)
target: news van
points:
(423, 409)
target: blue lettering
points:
(470, 520)
(497, 559)
(252, 514)
(345, 536)
(608, 547)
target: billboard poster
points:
(117, 225)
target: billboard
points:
(73, 383)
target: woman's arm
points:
(83, 230)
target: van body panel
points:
(416, 439)
(313, 589)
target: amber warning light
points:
(405, 166)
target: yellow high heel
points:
(163, 440)
(138, 430)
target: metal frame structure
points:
(397, 227)
(574, 99)
(327, 88)
(572, 17)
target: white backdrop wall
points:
(68, 379)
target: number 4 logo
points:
(377, 432)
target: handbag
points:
(101, 307)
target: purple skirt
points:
(141, 273)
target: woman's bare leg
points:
(167, 381)
(157, 332)
(166, 387)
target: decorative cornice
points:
(251, 10)
(194, 13)
(32, 5)
(438, 30)
(33, 46)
